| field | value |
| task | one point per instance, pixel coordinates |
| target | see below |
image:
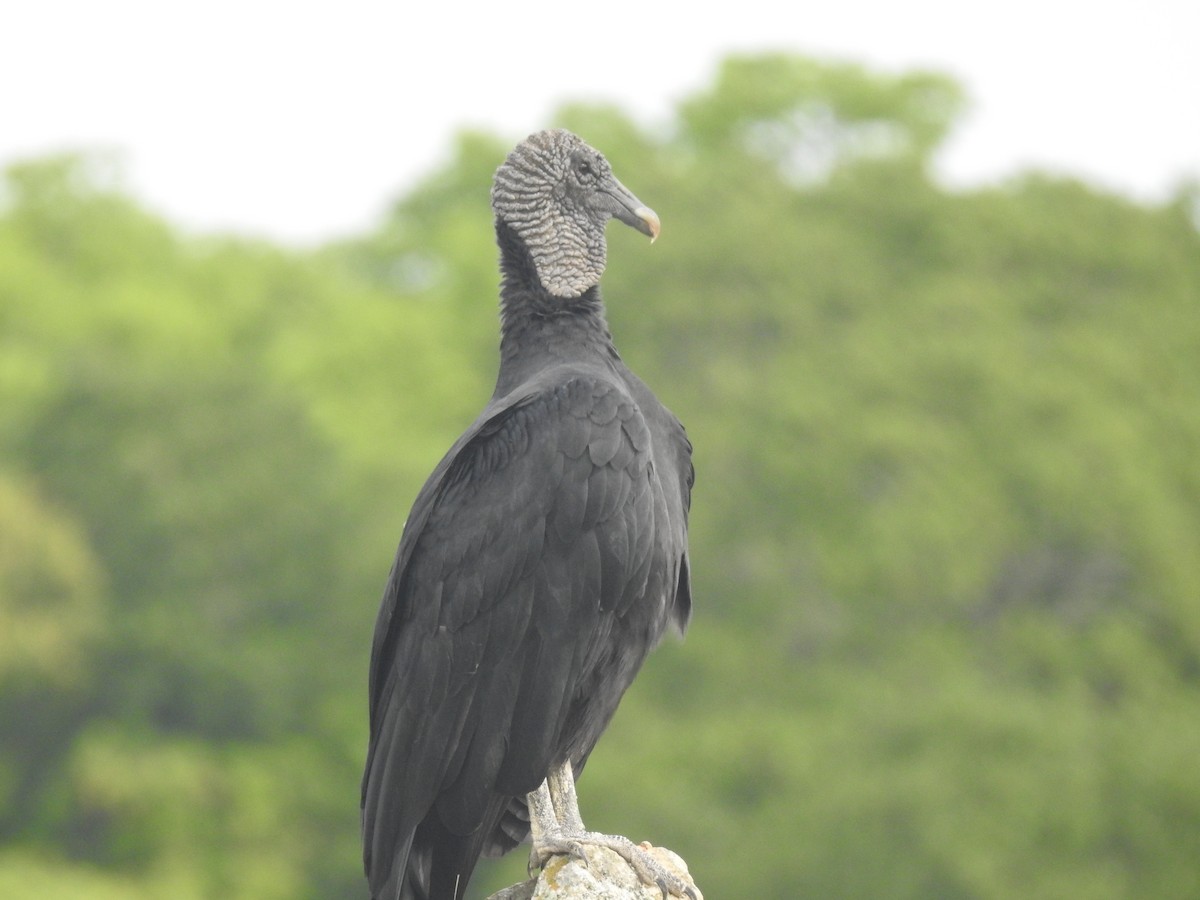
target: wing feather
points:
(528, 538)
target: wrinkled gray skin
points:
(556, 193)
(543, 559)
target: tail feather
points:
(454, 856)
(437, 864)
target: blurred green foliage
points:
(945, 533)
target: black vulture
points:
(541, 562)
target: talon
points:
(648, 868)
(537, 861)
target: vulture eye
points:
(584, 169)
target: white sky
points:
(300, 121)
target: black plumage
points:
(541, 562)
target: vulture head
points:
(557, 194)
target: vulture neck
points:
(539, 330)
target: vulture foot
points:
(647, 867)
(557, 830)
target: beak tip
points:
(650, 217)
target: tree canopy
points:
(944, 534)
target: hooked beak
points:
(632, 211)
(649, 219)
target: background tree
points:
(947, 639)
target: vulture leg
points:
(557, 829)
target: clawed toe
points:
(557, 830)
(649, 869)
